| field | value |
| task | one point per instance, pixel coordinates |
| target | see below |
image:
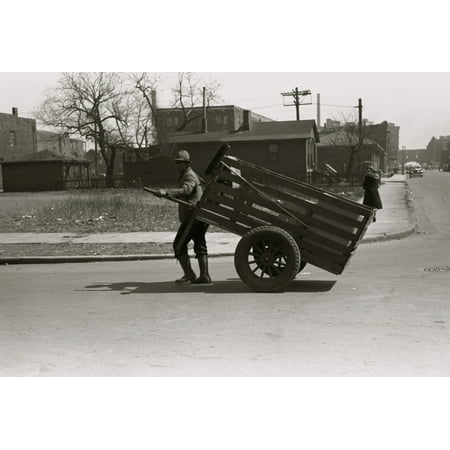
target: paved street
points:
(386, 315)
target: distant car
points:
(415, 171)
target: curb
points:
(93, 258)
(390, 237)
(110, 258)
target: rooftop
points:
(260, 131)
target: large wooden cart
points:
(284, 223)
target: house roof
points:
(192, 137)
(260, 131)
(43, 156)
(282, 130)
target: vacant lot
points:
(90, 211)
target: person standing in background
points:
(371, 183)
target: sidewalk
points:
(394, 221)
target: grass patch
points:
(90, 211)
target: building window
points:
(12, 139)
(273, 152)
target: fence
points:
(326, 179)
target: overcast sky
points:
(417, 102)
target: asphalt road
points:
(388, 314)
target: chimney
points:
(153, 99)
(247, 120)
(15, 112)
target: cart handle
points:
(155, 192)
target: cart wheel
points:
(267, 259)
(212, 166)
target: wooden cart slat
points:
(269, 177)
(340, 215)
(317, 222)
(246, 213)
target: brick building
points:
(420, 155)
(386, 135)
(59, 144)
(17, 135)
(212, 119)
(438, 151)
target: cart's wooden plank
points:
(314, 221)
(341, 216)
(269, 177)
(323, 263)
(340, 237)
(330, 202)
(248, 213)
(344, 216)
(230, 213)
(323, 251)
(222, 222)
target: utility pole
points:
(296, 94)
(204, 120)
(360, 120)
(95, 150)
(318, 111)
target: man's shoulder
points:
(191, 174)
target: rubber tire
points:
(302, 265)
(267, 283)
(212, 166)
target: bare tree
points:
(350, 139)
(134, 118)
(89, 105)
(188, 95)
(146, 85)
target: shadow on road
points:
(230, 286)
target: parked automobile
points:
(414, 169)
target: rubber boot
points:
(189, 274)
(204, 277)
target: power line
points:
(313, 103)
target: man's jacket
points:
(190, 191)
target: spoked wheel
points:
(267, 259)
